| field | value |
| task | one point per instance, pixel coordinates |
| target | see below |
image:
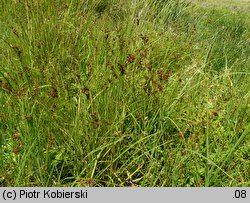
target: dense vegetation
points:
(123, 93)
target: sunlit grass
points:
(123, 93)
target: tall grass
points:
(123, 93)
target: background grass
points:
(237, 5)
(123, 93)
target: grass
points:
(123, 93)
(240, 5)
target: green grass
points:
(123, 93)
(237, 5)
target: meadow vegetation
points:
(238, 5)
(123, 93)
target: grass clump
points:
(123, 93)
